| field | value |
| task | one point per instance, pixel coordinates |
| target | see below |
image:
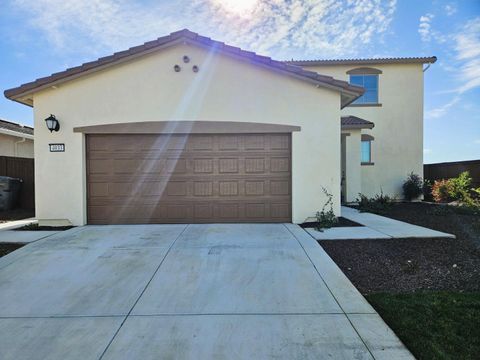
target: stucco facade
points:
(189, 81)
(397, 148)
(147, 89)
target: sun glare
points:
(238, 7)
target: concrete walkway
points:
(238, 291)
(23, 237)
(9, 234)
(375, 227)
(15, 224)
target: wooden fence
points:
(453, 169)
(21, 168)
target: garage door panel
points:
(197, 178)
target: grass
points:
(433, 325)
(432, 306)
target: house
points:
(185, 129)
(16, 140)
(387, 121)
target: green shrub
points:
(412, 187)
(378, 203)
(458, 189)
(326, 218)
(461, 186)
(441, 190)
(427, 190)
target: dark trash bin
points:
(9, 192)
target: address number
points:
(57, 147)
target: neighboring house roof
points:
(371, 61)
(353, 122)
(349, 92)
(14, 129)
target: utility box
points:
(9, 192)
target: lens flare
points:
(237, 7)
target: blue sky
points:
(39, 37)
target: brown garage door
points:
(176, 178)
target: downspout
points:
(15, 146)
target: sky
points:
(40, 37)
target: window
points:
(366, 150)
(370, 83)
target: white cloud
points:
(280, 28)
(425, 27)
(467, 47)
(450, 9)
(477, 141)
(441, 110)
(463, 64)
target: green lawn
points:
(433, 325)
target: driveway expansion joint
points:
(143, 291)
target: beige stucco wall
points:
(398, 146)
(353, 169)
(15, 146)
(147, 89)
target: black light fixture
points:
(52, 123)
(195, 68)
(177, 68)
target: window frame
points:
(366, 139)
(365, 71)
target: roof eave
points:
(14, 95)
(18, 94)
(349, 97)
(419, 60)
(15, 134)
(358, 126)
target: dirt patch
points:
(17, 214)
(406, 265)
(342, 222)
(36, 227)
(438, 217)
(6, 248)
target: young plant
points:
(326, 217)
(412, 187)
(376, 204)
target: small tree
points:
(412, 187)
(326, 218)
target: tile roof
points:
(188, 36)
(371, 61)
(353, 122)
(11, 126)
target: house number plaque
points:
(57, 147)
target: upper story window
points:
(367, 78)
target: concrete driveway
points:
(231, 291)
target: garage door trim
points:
(187, 127)
(270, 201)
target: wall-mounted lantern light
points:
(177, 68)
(186, 59)
(52, 123)
(195, 68)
